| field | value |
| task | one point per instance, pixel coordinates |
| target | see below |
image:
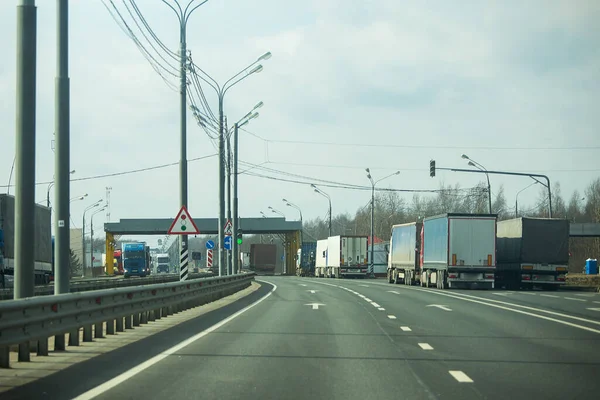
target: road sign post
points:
(183, 224)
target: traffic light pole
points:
(235, 220)
(533, 176)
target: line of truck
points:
(477, 251)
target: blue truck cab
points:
(135, 260)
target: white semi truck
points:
(321, 258)
(347, 257)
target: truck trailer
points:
(163, 264)
(458, 251)
(532, 252)
(43, 248)
(321, 258)
(404, 261)
(263, 258)
(347, 257)
(305, 259)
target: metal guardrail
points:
(38, 318)
(104, 283)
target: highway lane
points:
(503, 352)
(347, 339)
(297, 345)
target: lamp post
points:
(235, 220)
(83, 267)
(221, 91)
(517, 198)
(183, 16)
(373, 183)
(77, 198)
(92, 235)
(50, 187)
(290, 204)
(480, 167)
(322, 193)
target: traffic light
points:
(432, 168)
(239, 238)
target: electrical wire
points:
(131, 171)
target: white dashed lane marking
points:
(405, 328)
(461, 376)
(391, 316)
(425, 346)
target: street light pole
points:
(373, 183)
(322, 193)
(517, 198)
(221, 91)
(183, 15)
(475, 164)
(290, 204)
(236, 218)
(92, 237)
(83, 258)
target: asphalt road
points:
(352, 339)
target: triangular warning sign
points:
(228, 227)
(183, 224)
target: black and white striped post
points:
(183, 260)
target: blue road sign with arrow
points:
(227, 243)
(210, 245)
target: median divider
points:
(29, 322)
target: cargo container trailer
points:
(404, 261)
(347, 257)
(305, 259)
(263, 258)
(321, 258)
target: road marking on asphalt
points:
(584, 294)
(368, 300)
(302, 284)
(461, 376)
(531, 294)
(375, 305)
(574, 299)
(445, 308)
(391, 316)
(313, 291)
(315, 306)
(594, 308)
(425, 346)
(405, 328)
(364, 285)
(393, 291)
(550, 295)
(597, 302)
(381, 309)
(110, 384)
(501, 294)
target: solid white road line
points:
(461, 376)
(550, 295)
(391, 316)
(106, 386)
(425, 346)
(405, 328)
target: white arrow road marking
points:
(313, 291)
(393, 291)
(445, 308)
(315, 306)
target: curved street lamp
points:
(373, 183)
(480, 167)
(83, 261)
(322, 193)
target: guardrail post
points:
(99, 330)
(136, 319)
(42, 347)
(128, 324)
(74, 337)
(165, 311)
(120, 325)
(151, 314)
(87, 333)
(144, 317)
(24, 354)
(59, 342)
(5, 357)
(110, 327)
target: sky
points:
(383, 84)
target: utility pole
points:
(25, 155)
(372, 263)
(221, 227)
(234, 237)
(62, 241)
(235, 222)
(183, 15)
